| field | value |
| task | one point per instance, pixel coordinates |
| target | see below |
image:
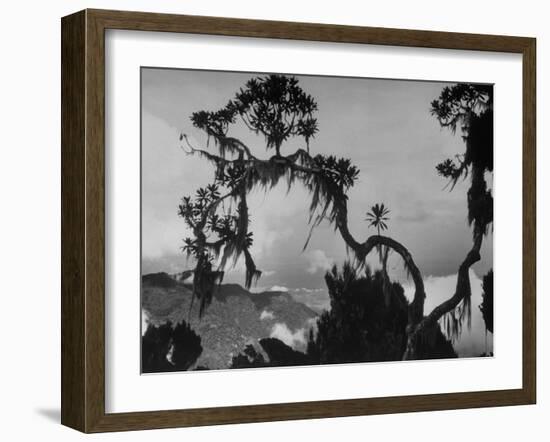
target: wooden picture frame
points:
(83, 220)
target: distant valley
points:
(235, 318)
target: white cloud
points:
(144, 321)
(283, 333)
(266, 314)
(278, 288)
(318, 260)
(270, 213)
(268, 272)
(162, 237)
(165, 164)
(306, 290)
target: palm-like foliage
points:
(469, 107)
(276, 108)
(378, 216)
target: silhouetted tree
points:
(359, 327)
(378, 216)
(186, 347)
(276, 108)
(312, 349)
(155, 345)
(432, 344)
(167, 348)
(486, 306)
(362, 327)
(468, 107)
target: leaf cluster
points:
(274, 106)
(455, 103)
(378, 216)
(470, 108)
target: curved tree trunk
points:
(361, 250)
(417, 322)
(463, 290)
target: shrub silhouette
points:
(186, 345)
(168, 348)
(486, 306)
(362, 326)
(277, 108)
(155, 345)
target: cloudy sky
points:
(384, 126)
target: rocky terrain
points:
(235, 319)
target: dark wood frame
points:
(83, 216)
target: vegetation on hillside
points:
(370, 319)
(169, 348)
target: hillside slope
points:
(235, 318)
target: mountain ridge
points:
(235, 318)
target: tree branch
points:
(463, 288)
(361, 250)
(416, 308)
(236, 143)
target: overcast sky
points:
(384, 126)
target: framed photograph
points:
(268, 220)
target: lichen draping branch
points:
(277, 109)
(463, 293)
(469, 107)
(327, 179)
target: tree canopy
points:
(468, 107)
(486, 306)
(276, 108)
(169, 347)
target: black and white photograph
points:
(270, 221)
(301, 220)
